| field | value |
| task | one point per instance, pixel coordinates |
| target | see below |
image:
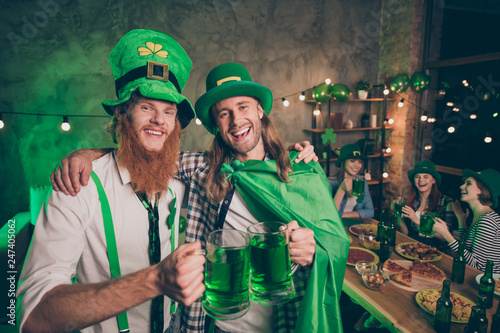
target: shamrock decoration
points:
(152, 48)
(329, 136)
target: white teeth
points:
(154, 132)
(240, 132)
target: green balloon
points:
(400, 83)
(420, 81)
(322, 93)
(341, 92)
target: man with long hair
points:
(106, 261)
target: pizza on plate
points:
(401, 275)
(356, 255)
(428, 270)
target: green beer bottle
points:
(487, 284)
(473, 324)
(381, 226)
(482, 319)
(495, 321)
(385, 250)
(442, 318)
(391, 229)
(458, 271)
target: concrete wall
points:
(54, 60)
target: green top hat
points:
(490, 178)
(229, 80)
(154, 63)
(425, 167)
(350, 151)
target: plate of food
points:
(417, 250)
(496, 277)
(365, 229)
(413, 275)
(428, 298)
(358, 253)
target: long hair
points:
(433, 199)
(485, 195)
(220, 153)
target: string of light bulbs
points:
(65, 125)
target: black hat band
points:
(153, 70)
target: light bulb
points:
(390, 121)
(449, 104)
(401, 103)
(456, 109)
(302, 96)
(197, 121)
(328, 80)
(317, 112)
(386, 91)
(285, 102)
(65, 126)
(388, 150)
(451, 129)
(1, 121)
(424, 117)
(473, 116)
(385, 175)
(495, 114)
(488, 138)
(428, 147)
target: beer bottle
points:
(487, 284)
(391, 229)
(473, 324)
(380, 226)
(482, 319)
(385, 250)
(442, 318)
(495, 321)
(458, 271)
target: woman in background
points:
(482, 239)
(425, 197)
(350, 163)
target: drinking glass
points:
(227, 281)
(426, 227)
(270, 266)
(358, 185)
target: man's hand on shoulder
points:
(74, 170)
(306, 154)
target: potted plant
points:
(363, 87)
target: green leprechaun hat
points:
(425, 167)
(350, 151)
(229, 80)
(153, 63)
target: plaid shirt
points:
(201, 218)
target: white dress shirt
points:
(69, 239)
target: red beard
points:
(150, 172)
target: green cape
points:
(308, 200)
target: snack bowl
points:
(369, 241)
(375, 280)
(365, 266)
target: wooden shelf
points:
(333, 159)
(322, 130)
(373, 181)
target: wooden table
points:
(396, 308)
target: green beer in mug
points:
(226, 294)
(358, 186)
(426, 228)
(270, 265)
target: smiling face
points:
(423, 182)
(469, 190)
(153, 121)
(239, 122)
(353, 166)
